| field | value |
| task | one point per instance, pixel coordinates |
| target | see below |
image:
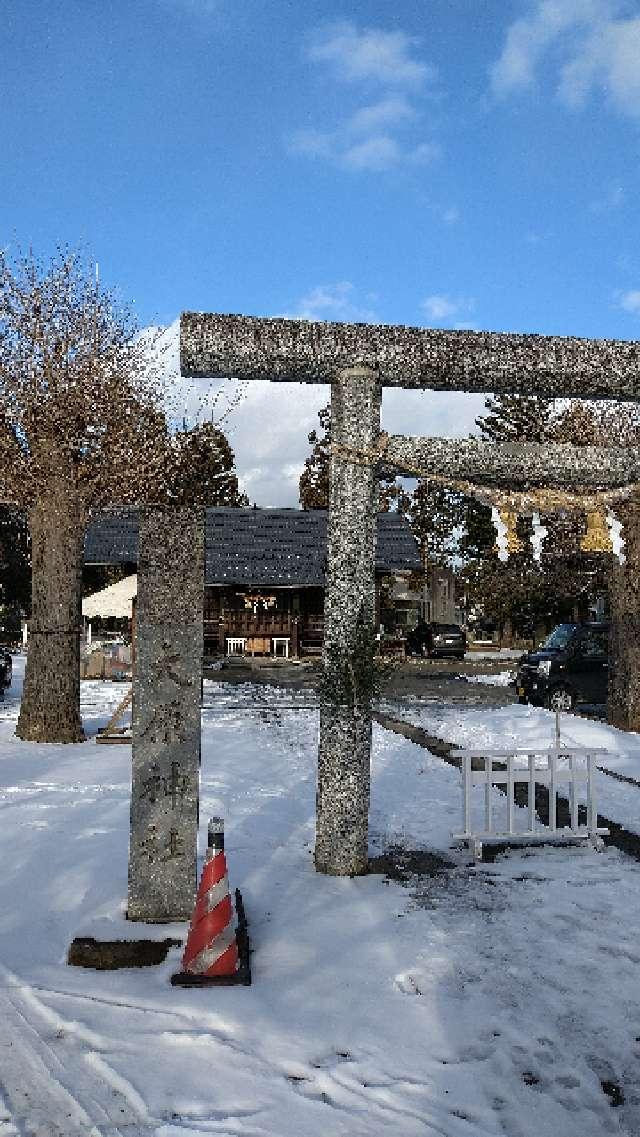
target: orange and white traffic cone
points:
(211, 954)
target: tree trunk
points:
(50, 710)
(506, 634)
(623, 708)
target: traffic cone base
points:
(212, 952)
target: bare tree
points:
(81, 428)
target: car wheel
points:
(560, 699)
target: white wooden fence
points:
(557, 767)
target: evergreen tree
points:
(314, 480)
(15, 570)
(437, 514)
(515, 418)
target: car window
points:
(559, 637)
(594, 642)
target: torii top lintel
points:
(305, 351)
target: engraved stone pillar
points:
(342, 802)
(166, 715)
(623, 708)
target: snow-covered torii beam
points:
(518, 465)
(305, 351)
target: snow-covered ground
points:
(489, 1000)
(492, 678)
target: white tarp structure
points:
(115, 600)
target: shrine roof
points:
(274, 547)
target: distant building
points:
(439, 596)
(400, 604)
(264, 573)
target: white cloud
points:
(441, 307)
(446, 414)
(593, 44)
(376, 153)
(608, 59)
(332, 302)
(423, 153)
(530, 36)
(379, 134)
(371, 54)
(387, 112)
(630, 301)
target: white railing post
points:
(466, 793)
(531, 800)
(510, 792)
(487, 794)
(592, 813)
(553, 758)
(573, 797)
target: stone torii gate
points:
(357, 360)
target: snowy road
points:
(498, 1000)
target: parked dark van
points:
(570, 667)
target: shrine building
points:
(264, 574)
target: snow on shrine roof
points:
(114, 600)
(285, 547)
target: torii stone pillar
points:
(345, 708)
(166, 716)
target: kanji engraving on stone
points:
(158, 785)
(170, 666)
(152, 848)
(176, 845)
(152, 786)
(166, 724)
(149, 846)
(176, 785)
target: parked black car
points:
(570, 667)
(6, 669)
(437, 641)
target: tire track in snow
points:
(51, 1083)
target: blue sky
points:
(436, 162)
